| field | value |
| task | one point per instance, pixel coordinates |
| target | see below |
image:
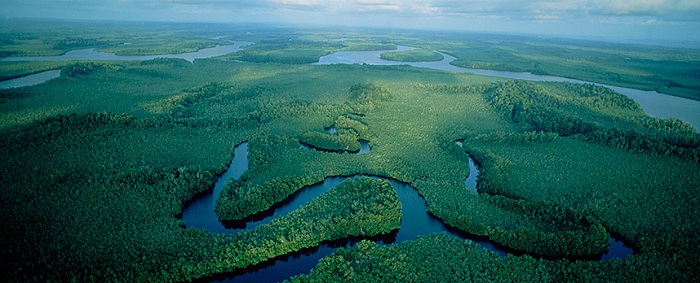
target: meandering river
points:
(415, 221)
(92, 55)
(200, 212)
(654, 103)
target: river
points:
(92, 55)
(200, 213)
(30, 80)
(654, 103)
(415, 221)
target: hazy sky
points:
(637, 19)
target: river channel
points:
(91, 54)
(200, 212)
(654, 103)
(30, 80)
(415, 221)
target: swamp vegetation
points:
(100, 162)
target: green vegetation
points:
(415, 55)
(594, 114)
(99, 163)
(12, 70)
(412, 262)
(83, 69)
(51, 38)
(363, 207)
(346, 136)
(333, 143)
(286, 51)
(667, 70)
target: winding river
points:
(654, 103)
(30, 80)
(415, 221)
(200, 212)
(91, 54)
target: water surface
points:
(199, 213)
(30, 80)
(654, 103)
(91, 54)
(415, 221)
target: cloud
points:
(561, 9)
(318, 3)
(491, 15)
(645, 7)
(378, 5)
(553, 10)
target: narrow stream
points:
(200, 212)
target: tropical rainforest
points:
(99, 163)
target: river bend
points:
(654, 103)
(415, 221)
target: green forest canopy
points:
(100, 163)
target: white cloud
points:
(300, 2)
(645, 7)
(491, 15)
(377, 5)
(663, 10)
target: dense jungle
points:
(100, 162)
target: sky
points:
(658, 20)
